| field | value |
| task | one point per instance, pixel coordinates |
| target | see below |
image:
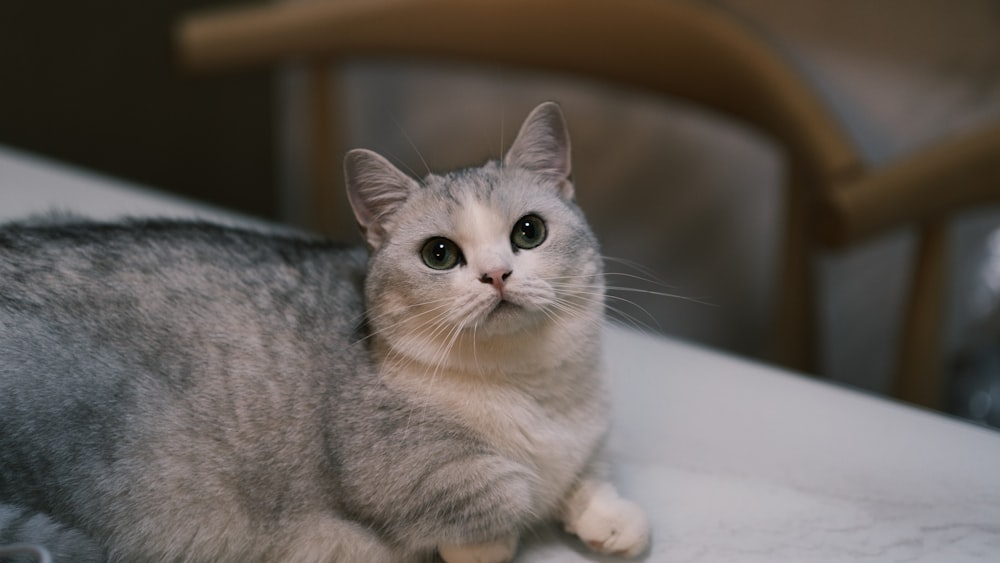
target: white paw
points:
(500, 551)
(612, 525)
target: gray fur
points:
(181, 391)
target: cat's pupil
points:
(440, 253)
(529, 232)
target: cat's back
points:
(55, 261)
(172, 274)
(159, 292)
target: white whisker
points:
(662, 294)
(650, 275)
(414, 147)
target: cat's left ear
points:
(375, 189)
(542, 146)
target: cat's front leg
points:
(500, 551)
(470, 508)
(606, 522)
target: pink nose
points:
(496, 278)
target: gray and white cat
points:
(179, 391)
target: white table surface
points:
(735, 461)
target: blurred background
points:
(687, 200)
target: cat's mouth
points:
(505, 306)
(504, 311)
(506, 315)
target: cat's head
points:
(498, 253)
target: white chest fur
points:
(553, 431)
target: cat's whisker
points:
(586, 290)
(653, 282)
(574, 310)
(450, 332)
(647, 273)
(428, 329)
(388, 329)
(415, 149)
(374, 320)
(456, 331)
(571, 307)
(697, 300)
(647, 276)
(433, 332)
(597, 277)
(621, 288)
(475, 349)
(633, 321)
(443, 330)
(502, 123)
(402, 163)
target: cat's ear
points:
(375, 189)
(542, 146)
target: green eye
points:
(440, 253)
(529, 232)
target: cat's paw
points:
(611, 525)
(500, 551)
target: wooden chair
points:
(921, 190)
(678, 49)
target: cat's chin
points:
(507, 317)
(504, 309)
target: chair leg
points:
(328, 211)
(919, 375)
(795, 328)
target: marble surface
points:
(741, 462)
(735, 461)
(32, 184)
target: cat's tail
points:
(27, 536)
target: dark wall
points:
(96, 83)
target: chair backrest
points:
(681, 49)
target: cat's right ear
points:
(375, 189)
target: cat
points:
(183, 391)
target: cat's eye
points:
(529, 232)
(440, 253)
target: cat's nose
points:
(496, 278)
